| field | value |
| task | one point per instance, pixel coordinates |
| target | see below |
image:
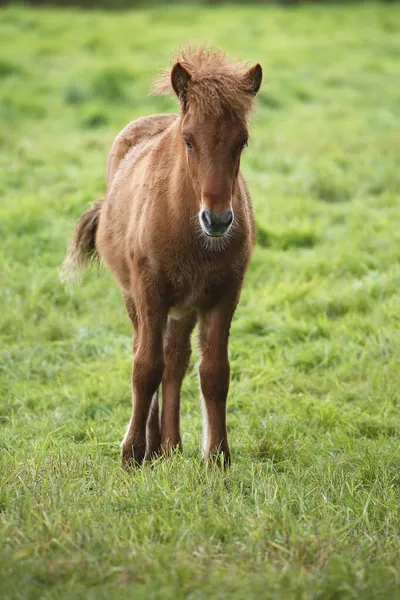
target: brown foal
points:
(176, 230)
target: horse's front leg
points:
(214, 377)
(148, 368)
(177, 355)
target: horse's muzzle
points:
(215, 225)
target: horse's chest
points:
(194, 289)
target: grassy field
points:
(310, 508)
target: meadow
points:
(310, 508)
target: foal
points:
(176, 230)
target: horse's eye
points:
(243, 144)
(188, 144)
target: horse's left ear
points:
(253, 79)
(180, 78)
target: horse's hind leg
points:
(177, 354)
(153, 430)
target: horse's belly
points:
(180, 312)
(184, 307)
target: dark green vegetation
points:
(310, 508)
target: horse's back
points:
(140, 130)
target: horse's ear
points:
(180, 80)
(253, 79)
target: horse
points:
(176, 229)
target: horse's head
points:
(216, 97)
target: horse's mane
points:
(217, 83)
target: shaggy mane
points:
(217, 83)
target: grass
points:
(310, 508)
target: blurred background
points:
(118, 4)
(322, 166)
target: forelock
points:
(217, 84)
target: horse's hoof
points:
(168, 447)
(219, 458)
(153, 454)
(132, 456)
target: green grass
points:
(310, 508)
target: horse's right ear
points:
(180, 80)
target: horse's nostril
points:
(206, 217)
(228, 218)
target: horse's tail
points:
(82, 248)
